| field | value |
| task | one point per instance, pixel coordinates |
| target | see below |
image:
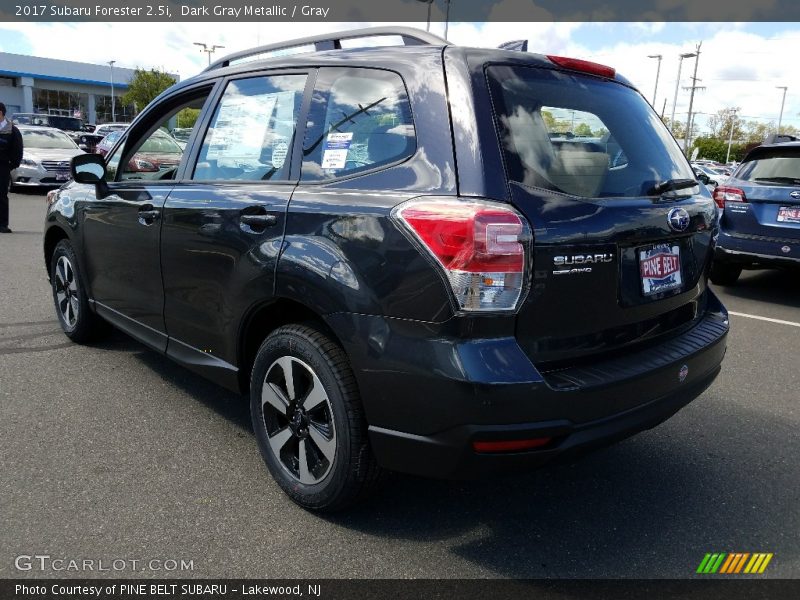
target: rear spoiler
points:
(519, 45)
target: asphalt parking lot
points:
(113, 452)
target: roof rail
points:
(332, 41)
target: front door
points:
(122, 224)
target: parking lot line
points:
(771, 320)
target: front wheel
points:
(725, 273)
(77, 320)
(308, 419)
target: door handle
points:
(147, 214)
(260, 221)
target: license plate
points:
(660, 268)
(62, 176)
(789, 214)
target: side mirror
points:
(88, 168)
(703, 178)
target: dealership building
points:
(29, 84)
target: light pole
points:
(429, 3)
(113, 103)
(677, 84)
(208, 49)
(658, 72)
(447, 19)
(780, 117)
(691, 99)
(730, 137)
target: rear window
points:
(776, 166)
(580, 135)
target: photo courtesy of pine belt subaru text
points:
(445, 261)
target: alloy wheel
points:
(298, 418)
(67, 291)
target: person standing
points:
(10, 159)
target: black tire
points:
(340, 468)
(77, 320)
(725, 273)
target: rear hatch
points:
(762, 198)
(622, 231)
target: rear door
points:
(770, 182)
(223, 223)
(622, 232)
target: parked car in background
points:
(708, 175)
(106, 128)
(46, 157)
(72, 126)
(105, 145)
(394, 283)
(158, 155)
(181, 135)
(759, 224)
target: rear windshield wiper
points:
(671, 185)
(789, 180)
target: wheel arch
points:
(52, 236)
(263, 319)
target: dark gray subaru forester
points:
(432, 259)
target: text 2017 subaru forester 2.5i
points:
(405, 256)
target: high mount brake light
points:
(584, 66)
(479, 244)
(724, 193)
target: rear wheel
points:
(308, 419)
(725, 273)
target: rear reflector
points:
(724, 193)
(511, 445)
(478, 243)
(584, 66)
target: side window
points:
(360, 120)
(156, 155)
(250, 136)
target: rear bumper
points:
(756, 250)
(429, 397)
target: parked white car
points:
(47, 152)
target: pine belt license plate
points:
(660, 268)
(62, 176)
(789, 214)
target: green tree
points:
(678, 130)
(720, 124)
(583, 129)
(188, 117)
(145, 85)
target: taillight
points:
(479, 244)
(585, 66)
(724, 193)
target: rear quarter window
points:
(360, 121)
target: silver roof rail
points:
(332, 41)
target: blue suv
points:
(760, 213)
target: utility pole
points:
(780, 117)
(730, 137)
(677, 85)
(658, 72)
(691, 98)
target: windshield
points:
(581, 135)
(778, 165)
(161, 143)
(50, 140)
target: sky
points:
(741, 64)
